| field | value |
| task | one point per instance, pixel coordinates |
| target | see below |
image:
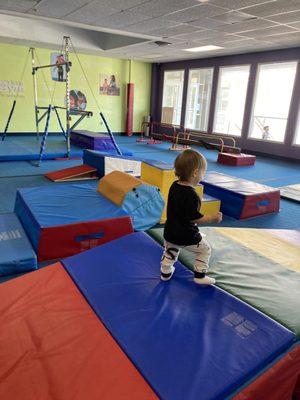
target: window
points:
(172, 97)
(231, 96)
(272, 99)
(198, 99)
(297, 135)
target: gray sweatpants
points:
(202, 252)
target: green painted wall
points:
(114, 107)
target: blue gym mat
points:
(54, 206)
(189, 342)
(16, 252)
(28, 148)
(28, 168)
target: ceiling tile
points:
(157, 8)
(275, 7)
(275, 30)
(238, 4)
(151, 25)
(232, 17)
(58, 8)
(17, 5)
(207, 23)
(122, 5)
(174, 31)
(295, 25)
(122, 19)
(292, 16)
(286, 38)
(207, 34)
(91, 13)
(194, 13)
(247, 26)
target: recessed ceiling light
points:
(204, 48)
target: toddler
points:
(181, 229)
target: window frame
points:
(163, 86)
(212, 68)
(216, 100)
(253, 103)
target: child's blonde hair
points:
(187, 162)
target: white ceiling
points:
(238, 26)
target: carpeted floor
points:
(272, 172)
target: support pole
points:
(110, 134)
(68, 116)
(36, 110)
(9, 118)
(43, 144)
(60, 123)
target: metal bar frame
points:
(77, 122)
(37, 108)
(3, 135)
(43, 116)
(67, 63)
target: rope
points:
(78, 59)
(22, 76)
(55, 82)
(44, 78)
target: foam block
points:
(116, 185)
(106, 163)
(16, 252)
(291, 192)
(161, 175)
(79, 172)
(67, 219)
(95, 141)
(92, 140)
(236, 160)
(53, 346)
(209, 205)
(220, 341)
(241, 198)
(141, 201)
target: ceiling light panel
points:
(232, 17)
(203, 48)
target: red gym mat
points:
(54, 346)
(237, 160)
(80, 172)
(278, 382)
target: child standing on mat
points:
(183, 215)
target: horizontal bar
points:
(52, 65)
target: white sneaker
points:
(168, 276)
(205, 281)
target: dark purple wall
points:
(286, 149)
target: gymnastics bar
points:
(212, 136)
(219, 147)
(82, 114)
(67, 63)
